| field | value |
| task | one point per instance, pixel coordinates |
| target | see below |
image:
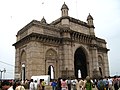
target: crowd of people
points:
(19, 85)
(106, 83)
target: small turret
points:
(90, 24)
(43, 20)
(64, 10)
(90, 20)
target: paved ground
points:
(50, 88)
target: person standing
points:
(82, 84)
(54, 84)
(88, 84)
(43, 84)
(14, 85)
(115, 83)
(11, 86)
(58, 84)
(106, 82)
(69, 83)
(39, 85)
(19, 86)
(5, 85)
(110, 81)
(77, 84)
(35, 85)
(64, 85)
(32, 86)
(101, 84)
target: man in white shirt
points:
(110, 81)
(11, 86)
(36, 85)
(32, 86)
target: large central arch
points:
(80, 63)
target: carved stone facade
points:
(67, 44)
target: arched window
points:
(100, 63)
(51, 62)
(22, 61)
(51, 71)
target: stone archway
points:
(100, 65)
(21, 63)
(51, 60)
(51, 71)
(80, 63)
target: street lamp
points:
(23, 73)
(2, 72)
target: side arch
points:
(22, 61)
(100, 64)
(51, 60)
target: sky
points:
(15, 14)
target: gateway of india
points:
(67, 47)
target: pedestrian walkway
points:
(48, 87)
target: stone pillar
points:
(17, 66)
(67, 63)
(59, 62)
(106, 65)
(95, 69)
(36, 61)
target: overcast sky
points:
(15, 14)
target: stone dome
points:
(64, 6)
(89, 17)
(43, 20)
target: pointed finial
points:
(43, 20)
(89, 17)
(64, 6)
